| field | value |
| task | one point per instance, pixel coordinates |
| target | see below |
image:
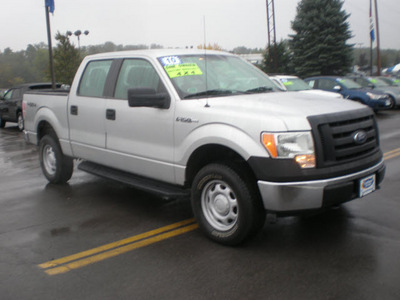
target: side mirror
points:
(147, 97)
(337, 88)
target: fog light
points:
(306, 161)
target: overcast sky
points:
(177, 23)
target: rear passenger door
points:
(140, 139)
(86, 112)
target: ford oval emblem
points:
(368, 183)
(360, 137)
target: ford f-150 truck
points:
(209, 126)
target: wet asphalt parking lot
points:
(97, 239)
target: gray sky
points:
(177, 23)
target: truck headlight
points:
(291, 145)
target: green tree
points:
(66, 59)
(277, 59)
(319, 44)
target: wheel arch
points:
(213, 153)
(45, 128)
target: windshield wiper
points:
(216, 92)
(261, 89)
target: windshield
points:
(295, 84)
(392, 82)
(226, 75)
(349, 84)
(378, 82)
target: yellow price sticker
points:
(288, 83)
(180, 70)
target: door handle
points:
(74, 110)
(110, 114)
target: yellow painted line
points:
(84, 258)
(392, 154)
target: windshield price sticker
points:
(171, 60)
(180, 70)
(288, 83)
(367, 185)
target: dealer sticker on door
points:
(367, 185)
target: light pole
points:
(78, 34)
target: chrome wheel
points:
(220, 205)
(49, 160)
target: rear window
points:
(94, 78)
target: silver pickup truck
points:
(209, 126)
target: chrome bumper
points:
(304, 195)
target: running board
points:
(155, 187)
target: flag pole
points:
(53, 79)
(377, 39)
(372, 37)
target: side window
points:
(326, 84)
(311, 83)
(16, 94)
(137, 73)
(8, 95)
(94, 78)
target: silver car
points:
(380, 85)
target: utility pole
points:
(53, 78)
(271, 32)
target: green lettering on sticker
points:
(288, 83)
(183, 70)
(374, 80)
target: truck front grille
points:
(344, 137)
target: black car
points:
(11, 102)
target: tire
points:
(2, 123)
(392, 102)
(56, 167)
(20, 121)
(225, 205)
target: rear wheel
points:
(56, 167)
(20, 121)
(225, 205)
(2, 123)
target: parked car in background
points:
(392, 81)
(295, 84)
(351, 90)
(11, 102)
(380, 85)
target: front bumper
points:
(298, 196)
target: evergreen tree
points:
(319, 45)
(66, 59)
(283, 64)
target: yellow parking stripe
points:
(392, 154)
(84, 258)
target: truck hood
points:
(281, 110)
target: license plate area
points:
(367, 185)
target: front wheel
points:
(225, 205)
(392, 102)
(56, 167)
